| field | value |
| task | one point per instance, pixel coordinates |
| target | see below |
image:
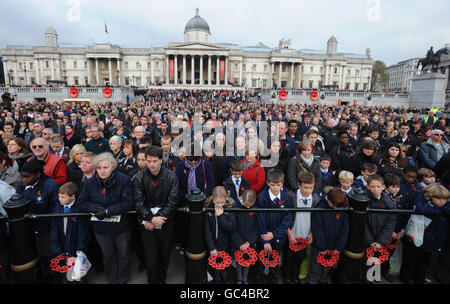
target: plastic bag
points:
(415, 229)
(395, 261)
(81, 267)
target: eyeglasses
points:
(440, 135)
(37, 147)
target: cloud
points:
(406, 29)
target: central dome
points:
(197, 23)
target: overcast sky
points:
(394, 30)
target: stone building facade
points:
(196, 62)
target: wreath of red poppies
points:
(332, 259)
(393, 243)
(300, 245)
(250, 253)
(225, 257)
(68, 264)
(269, 258)
(382, 257)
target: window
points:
(127, 79)
(265, 83)
(265, 68)
(311, 69)
(64, 64)
(311, 82)
(254, 83)
(302, 68)
(138, 65)
(75, 80)
(75, 64)
(348, 72)
(46, 64)
(126, 65)
(347, 85)
(356, 72)
(335, 70)
(20, 65)
(321, 70)
(157, 64)
(148, 65)
(254, 68)
(356, 86)
(85, 64)
(243, 67)
(31, 65)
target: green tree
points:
(380, 77)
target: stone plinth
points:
(428, 90)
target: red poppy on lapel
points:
(382, 206)
(65, 155)
(351, 154)
(414, 188)
(74, 219)
(281, 203)
(104, 191)
(173, 170)
(100, 145)
(170, 160)
(338, 215)
(287, 145)
(251, 213)
(39, 192)
(185, 172)
(154, 184)
(242, 189)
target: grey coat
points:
(380, 226)
(297, 165)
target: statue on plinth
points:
(432, 59)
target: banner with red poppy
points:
(222, 68)
(171, 67)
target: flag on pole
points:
(106, 29)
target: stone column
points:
(110, 71)
(218, 71)
(343, 77)
(272, 74)
(167, 69)
(279, 74)
(52, 66)
(292, 75)
(184, 69)
(119, 62)
(326, 75)
(175, 76)
(97, 76)
(299, 80)
(44, 79)
(152, 71)
(89, 71)
(38, 79)
(240, 73)
(226, 70)
(58, 70)
(201, 70)
(192, 70)
(209, 69)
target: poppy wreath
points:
(392, 244)
(69, 262)
(333, 258)
(252, 257)
(300, 245)
(383, 255)
(269, 259)
(226, 260)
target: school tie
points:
(305, 201)
(276, 200)
(66, 209)
(237, 182)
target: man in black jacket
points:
(342, 155)
(156, 194)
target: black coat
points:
(230, 187)
(75, 175)
(342, 158)
(218, 230)
(246, 228)
(297, 165)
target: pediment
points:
(195, 46)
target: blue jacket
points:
(204, 178)
(435, 235)
(329, 229)
(218, 230)
(358, 183)
(117, 199)
(77, 232)
(43, 197)
(275, 222)
(408, 192)
(428, 154)
(230, 187)
(246, 228)
(328, 179)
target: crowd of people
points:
(112, 158)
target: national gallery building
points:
(196, 63)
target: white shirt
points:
(302, 223)
(236, 186)
(272, 196)
(346, 191)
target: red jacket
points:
(55, 168)
(256, 176)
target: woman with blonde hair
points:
(74, 173)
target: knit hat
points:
(33, 166)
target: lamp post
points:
(10, 73)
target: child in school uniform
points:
(346, 179)
(246, 233)
(236, 184)
(433, 204)
(367, 170)
(219, 225)
(68, 234)
(392, 184)
(379, 226)
(328, 178)
(426, 177)
(329, 231)
(300, 227)
(272, 226)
